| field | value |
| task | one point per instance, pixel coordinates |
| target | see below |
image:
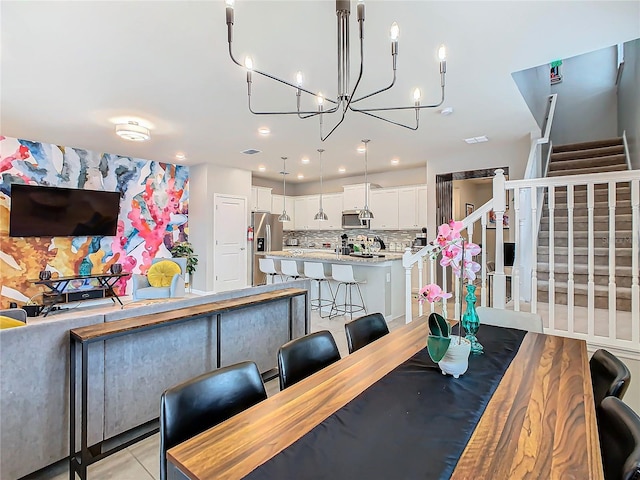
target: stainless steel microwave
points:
(350, 219)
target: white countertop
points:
(330, 256)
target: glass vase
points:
(470, 320)
(85, 267)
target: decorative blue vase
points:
(470, 320)
(85, 267)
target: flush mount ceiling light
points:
(321, 215)
(283, 216)
(180, 156)
(345, 99)
(365, 213)
(133, 131)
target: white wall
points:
(205, 181)
(587, 102)
(390, 178)
(534, 86)
(471, 157)
(629, 100)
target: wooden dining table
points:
(539, 423)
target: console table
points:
(57, 287)
(82, 337)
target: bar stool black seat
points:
(198, 404)
(364, 330)
(305, 356)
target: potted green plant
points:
(185, 250)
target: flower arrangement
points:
(457, 253)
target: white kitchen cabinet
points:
(407, 208)
(260, 199)
(384, 205)
(353, 197)
(306, 208)
(277, 205)
(422, 205)
(332, 206)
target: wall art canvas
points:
(154, 208)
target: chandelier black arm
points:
(390, 121)
(418, 107)
(308, 114)
(393, 82)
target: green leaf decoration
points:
(438, 326)
(437, 346)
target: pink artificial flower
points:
(432, 293)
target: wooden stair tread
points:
(609, 142)
(587, 153)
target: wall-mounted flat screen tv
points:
(38, 211)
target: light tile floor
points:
(141, 461)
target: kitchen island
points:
(384, 276)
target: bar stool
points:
(268, 267)
(290, 269)
(344, 275)
(315, 271)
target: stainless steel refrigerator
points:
(267, 237)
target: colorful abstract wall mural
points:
(154, 208)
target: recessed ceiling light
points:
(262, 168)
(180, 156)
(300, 176)
(305, 160)
(342, 170)
(361, 149)
(395, 161)
(133, 131)
(446, 111)
(264, 130)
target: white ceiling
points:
(70, 68)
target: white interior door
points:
(230, 245)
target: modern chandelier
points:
(283, 216)
(345, 99)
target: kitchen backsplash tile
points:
(395, 240)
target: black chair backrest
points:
(204, 401)
(609, 376)
(305, 356)
(619, 428)
(364, 330)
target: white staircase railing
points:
(600, 320)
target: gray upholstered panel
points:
(140, 366)
(34, 417)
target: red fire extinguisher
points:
(250, 234)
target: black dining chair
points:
(204, 401)
(364, 330)
(619, 428)
(305, 356)
(609, 376)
